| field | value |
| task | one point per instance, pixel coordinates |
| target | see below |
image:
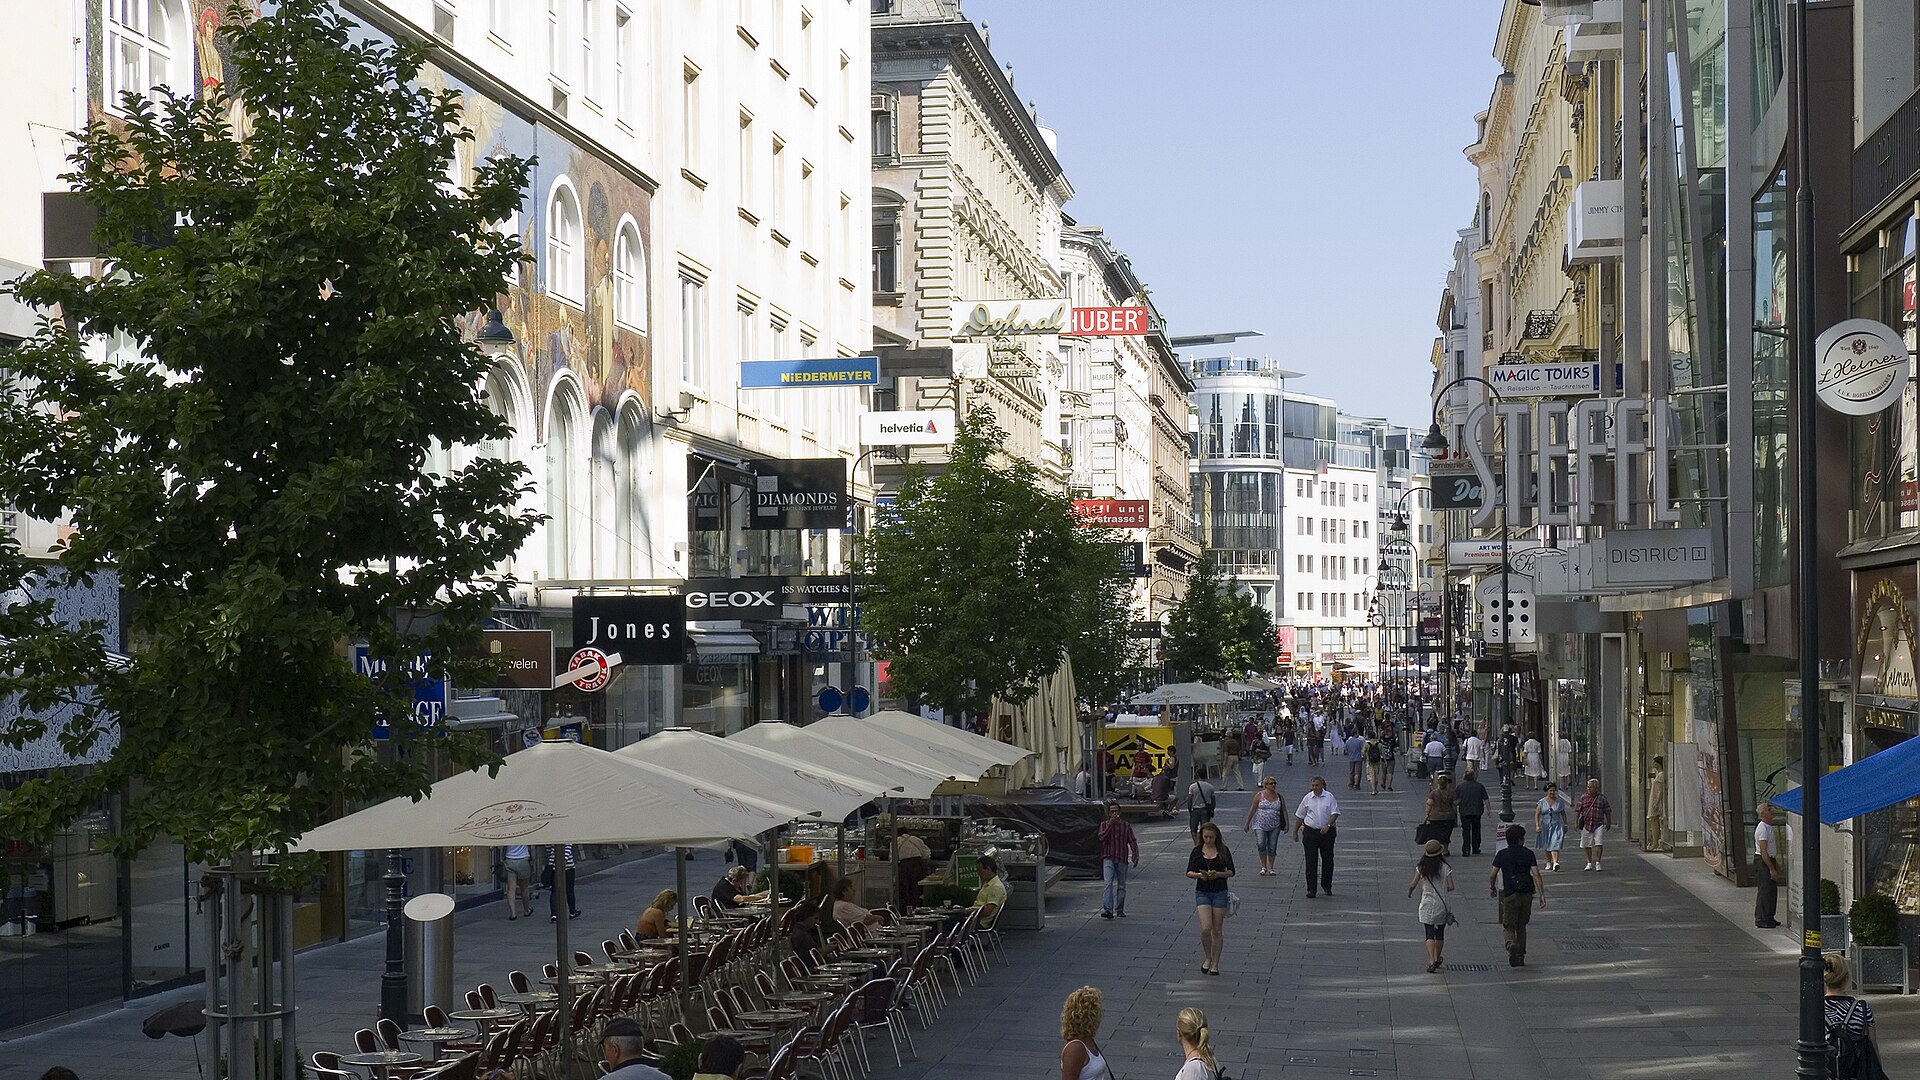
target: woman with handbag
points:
(1443, 809)
(1435, 915)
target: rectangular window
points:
(693, 330)
(807, 207)
(886, 251)
(144, 44)
(690, 118)
(557, 41)
(883, 110)
(746, 161)
(806, 49)
(746, 334)
(499, 19)
(589, 66)
(778, 211)
(625, 65)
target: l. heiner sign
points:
(1860, 367)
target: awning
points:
(1885, 778)
(723, 640)
(1186, 693)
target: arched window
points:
(564, 532)
(149, 46)
(605, 509)
(630, 527)
(566, 246)
(630, 278)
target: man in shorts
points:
(1595, 815)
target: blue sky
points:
(1289, 166)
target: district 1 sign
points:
(1859, 367)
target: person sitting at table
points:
(621, 1045)
(805, 937)
(848, 913)
(731, 892)
(720, 1059)
(653, 921)
(989, 898)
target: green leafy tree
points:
(1103, 650)
(981, 580)
(1250, 647)
(1196, 637)
(251, 461)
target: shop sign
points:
(524, 658)
(809, 374)
(429, 694)
(1133, 560)
(1657, 556)
(728, 598)
(1884, 659)
(1577, 442)
(1545, 380)
(798, 493)
(1109, 321)
(1010, 318)
(1009, 360)
(1112, 513)
(1860, 367)
(1284, 637)
(930, 427)
(1471, 554)
(642, 629)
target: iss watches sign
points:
(1860, 367)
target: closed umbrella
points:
(1186, 693)
(805, 747)
(954, 762)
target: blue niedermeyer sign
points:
(809, 374)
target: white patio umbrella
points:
(1185, 693)
(828, 795)
(954, 762)
(919, 727)
(558, 793)
(1245, 688)
(804, 747)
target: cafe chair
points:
(326, 1064)
(518, 980)
(881, 1007)
(389, 1033)
(488, 997)
(366, 1041)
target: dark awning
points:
(1885, 778)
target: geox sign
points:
(799, 493)
(722, 598)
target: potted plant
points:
(1833, 918)
(1879, 959)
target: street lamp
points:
(1436, 443)
(1402, 535)
(853, 569)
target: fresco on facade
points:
(553, 335)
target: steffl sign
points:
(1571, 443)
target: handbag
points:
(546, 878)
(1233, 903)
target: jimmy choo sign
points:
(1574, 457)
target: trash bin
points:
(429, 940)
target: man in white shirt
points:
(1766, 896)
(1474, 750)
(1316, 817)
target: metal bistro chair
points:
(880, 1008)
(326, 1064)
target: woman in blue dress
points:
(1550, 825)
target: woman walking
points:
(518, 866)
(1197, 1044)
(1533, 765)
(1427, 878)
(1080, 1058)
(1443, 809)
(1211, 868)
(1268, 814)
(1550, 824)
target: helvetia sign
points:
(929, 427)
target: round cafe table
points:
(381, 1062)
(804, 999)
(773, 1018)
(531, 1000)
(483, 1019)
(434, 1037)
(750, 1037)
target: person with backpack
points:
(1374, 757)
(1853, 1048)
(1515, 879)
(1200, 800)
(1259, 753)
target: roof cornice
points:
(960, 41)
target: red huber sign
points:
(1111, 513)
(1109, 321)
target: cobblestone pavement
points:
(1628, 975)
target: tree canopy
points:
(287, 275)
(982, 580)
(1217, 632)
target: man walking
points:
(1766, 896)
(1472, 797)
(1313, 825)
(1434, 750)
(1356, 748)
(1230, 761)
(1595, 815)
(1515, 879)
(1118, 850)
(1375, 755)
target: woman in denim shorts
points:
(1211, 868)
